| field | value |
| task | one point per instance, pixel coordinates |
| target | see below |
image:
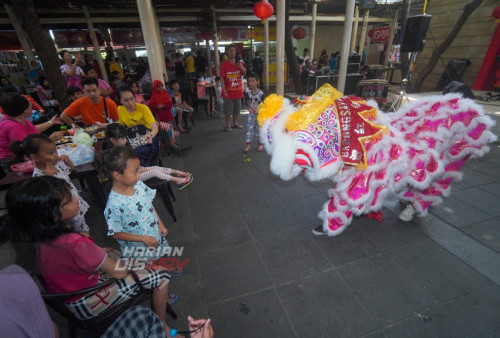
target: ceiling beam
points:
(191, 18)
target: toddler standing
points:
(131, 217)
(220, 99)
(255, 97)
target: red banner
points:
(380, 34)
(75, 38)
(129, 37)
(9, 41)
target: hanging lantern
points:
(207, 35)
(299, 33)
(263, 10)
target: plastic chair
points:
(96, 326)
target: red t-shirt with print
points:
(232, 80)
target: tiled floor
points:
(257, 271)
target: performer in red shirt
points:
(231, 72)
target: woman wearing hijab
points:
(161, 105)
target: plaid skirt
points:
(93, 304)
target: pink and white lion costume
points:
(415, 153)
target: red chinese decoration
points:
(207, 35)
(496, 13)
(263, 10)
(299, 33)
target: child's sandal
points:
(260, 147)
(247, 148)
(172, 298)
(186, 174)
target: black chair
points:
(98, 325)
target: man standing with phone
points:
(231, 72)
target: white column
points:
(95, 43)
(150, 33)
(363, 32)
(346, 39)
(394, 26)
(313, 30)
(209, 67)
(216, 42)
(280, 47)
(355, 30)
(160, 42)
(21, 34)
(266, 54)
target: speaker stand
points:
(404, 84)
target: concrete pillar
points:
(266, 54)
(354, 30)
(150, 33)
(394, 26)
(95, 43)
(209, 67)
(346, 40)
(21, 34)
(313, 30)
(280, 47)
(160, 42)
(363, 32)
(216, 42)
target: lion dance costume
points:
(415, 153)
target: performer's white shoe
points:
(407, 214)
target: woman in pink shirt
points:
(15, 124)
(68, 261)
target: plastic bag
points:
(79, 153)
(82, 137)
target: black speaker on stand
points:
(413, 42)
(415, 32)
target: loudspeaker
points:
(415, 32)
(459, 87)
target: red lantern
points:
(299, 33)
(207, 35)
(263, 10)
(496, 13)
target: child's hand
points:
(150, 241)
(66, 160)
(163, 230)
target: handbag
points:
(136, 135)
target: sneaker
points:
(318, 231)
(186, 182)
(407, 214)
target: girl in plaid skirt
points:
(68, 261)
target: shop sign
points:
(380, 34)
(258, 33)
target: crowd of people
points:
(57, 227)
(131, 101)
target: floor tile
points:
(438, 271)
(306, 209)
(323, 306)
(487, 232)
(458, 213)
(220, 229)
(291, 257)
(472, 315)
(390, 234)
(255, 315)
(350, 246)
(233, 271)
(480, 199)
(385, 290)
